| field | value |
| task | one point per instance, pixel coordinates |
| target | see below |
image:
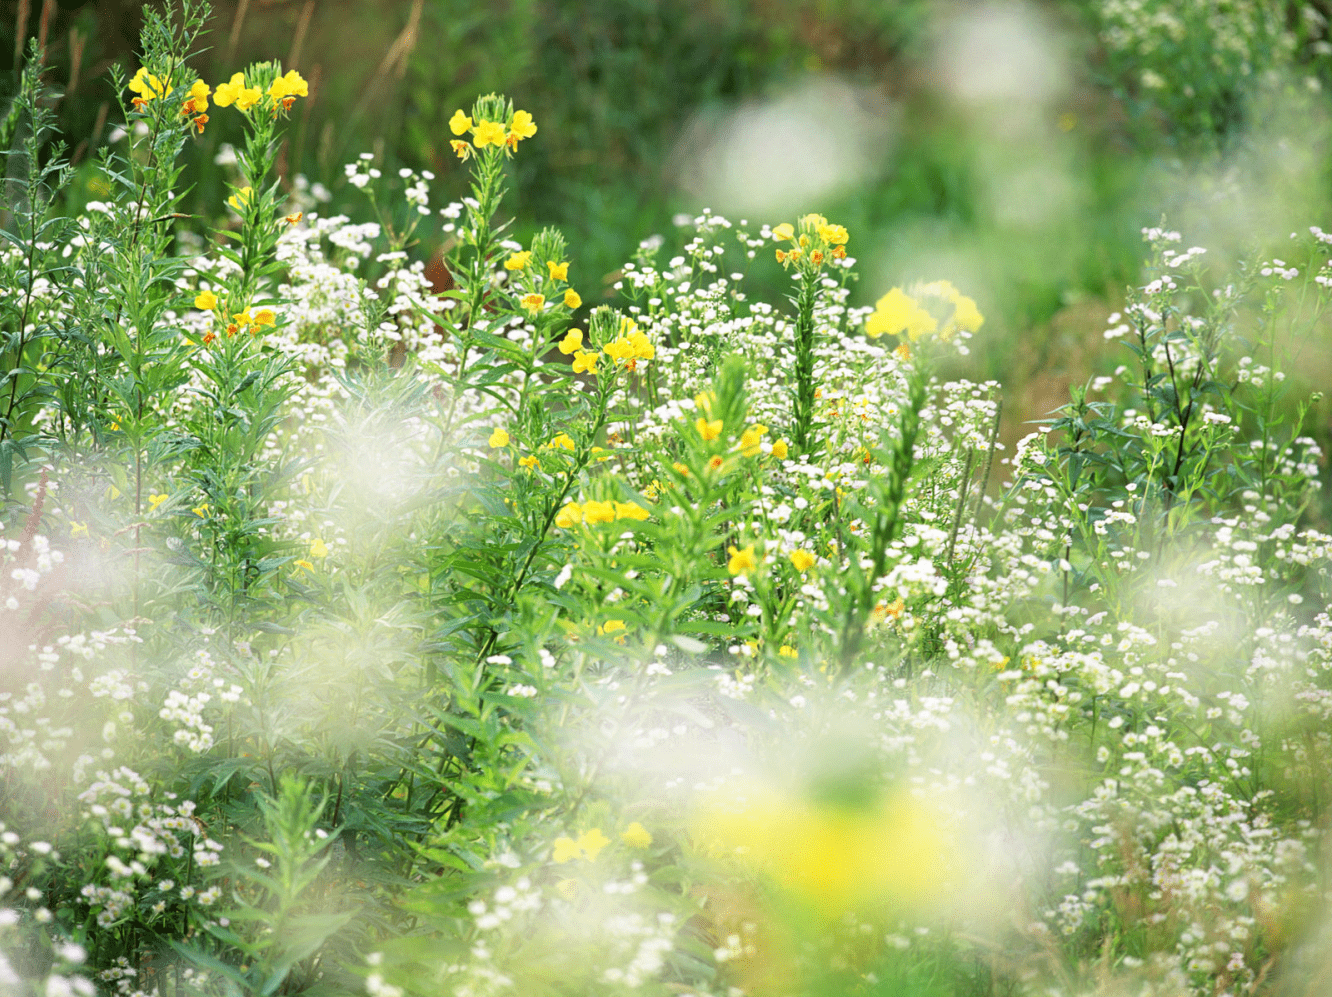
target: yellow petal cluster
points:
(741, 561)
(897, 313)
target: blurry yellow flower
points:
(201, 511)
(599, 512)
(205, 301)
(499, 438)
(78, 529)
(293, 218)
(811, 221)
(302, 563)
(618, 349)
(241, 198)
(558, 271)
(522, 126)
(895, 313)
(570, 515)
(318, 548)
(630, 510)
(565, 850)
(265, 316)
(715, 462)
(636, 836)
(742, 561)
(488, 133)
(585, 363)
(527, 462)
(518, 261)
(709, 429)
(783, 231)
(679, 468)
(779, 449)
(803, 560)
(641, 345)
(561, 440)
(459, 123)
(571, 299)
(749, 440)
(532, 302)
(461, 148)
(610, 627)
(592, 842)
(155, 499)
(572, 342)
(787, 651)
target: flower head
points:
(205, 301)
(499, 438)
(783, 232)
(572, 342)
(518, 261)
(741, 561)
(803, 560)
(241, 199)
(709, 429)
(148, 87)
(571, 299)
(896, 313)
(558, 271)
(459, 123)
(570, 515)
(488, 133)
(636, 836)
(532, 302)
(522, 126)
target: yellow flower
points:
(201, 511)
(571, 514)
(527, 462)
(197, 102)
(803, 560)
(618, 349)
(303, 563)
(205, 301)
(641, 345)
(533, 302)
(592, 842)
(571, 299)
(599, 512)
(709, 429)
(636, 836)
(488, 133)
(148, 87)
(834, 235)
(679, 468)
(518, 261)
(562, 440)
(522, 126)
(742, 561)
(565, 848)
(155, 499)
(78, 529)
(241, 198)
(630, 510)
(228, 92)
(459, 123)
(896, 312)
(585, 363)
(461, 148)
(318, 548)
(499, 438)
(779, 449)
(787, 651)
(558, 271)
(715, 462)
(286, 88)
(242, 318)
(610, 627)
(265, 316)
(572, 342)
(783, 231)
(749, 439)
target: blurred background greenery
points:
(1016, 148)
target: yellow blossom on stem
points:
(532, 302)
(566, 849)
(558, 271)
(592, 842)
(787, 651)
(741, 561)
(709, 429)
(518, 261)
(610, 627)
(599, 512)
(148, 87)
(286, 88)
(630, 510)
(461, 148)
(265, 316)
(228, 92)
(562, 441)
(155, 499)
(570, 515)
(197, 101)
(459, 123)
(636, 836)
(522, 126)
(241, 199)
(585, 363)
(488, 133)
(499, 438)
(318, 548)
(896, 313)
(572, 342)
(749, 439)
(205, 301)
(783, 232)
(803, 560)
(833, 235)
(528, 462)
(779, 449)
(571, 299)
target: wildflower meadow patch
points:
(362, 637)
